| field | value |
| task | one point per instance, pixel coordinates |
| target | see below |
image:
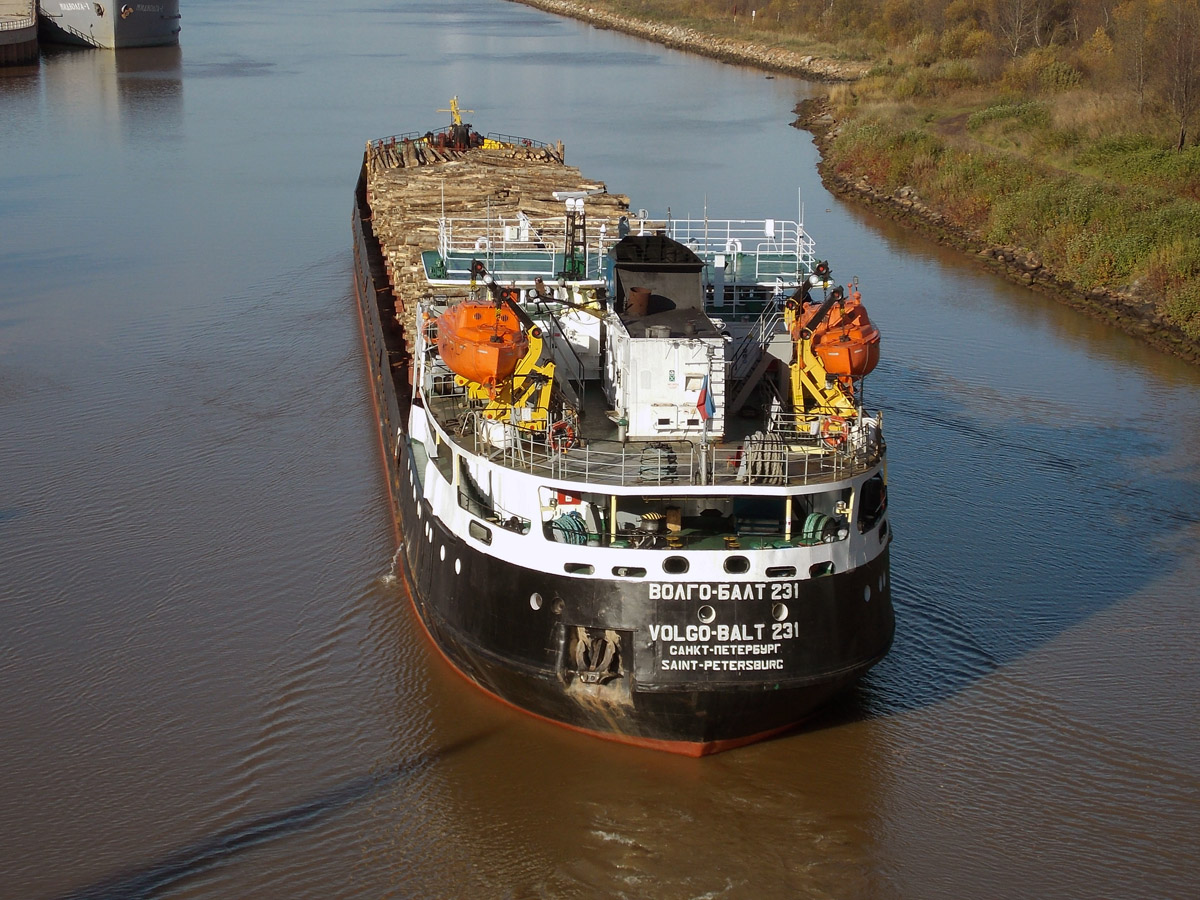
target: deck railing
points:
(16, 24)
(777, 456)
(519, 248)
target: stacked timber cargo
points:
(411, 185)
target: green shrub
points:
(964, 40)
(1058, 76)
(889, 158)
(952, 74)
(1183, 308)
(1139, 160)
(911, 84)
(1029, 115)
(1041, 70)
(923, 49)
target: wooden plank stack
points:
(410, 185)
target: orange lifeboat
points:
(846, 341)
(481, 342)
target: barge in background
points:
(635, 485)
(109, 25)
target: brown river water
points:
(210, 686)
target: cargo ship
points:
(636, 487)
(107, 25)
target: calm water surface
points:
(209, 686)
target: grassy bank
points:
(1051, 154)
(1060, 175)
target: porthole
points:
(675, 565)
(629, 572)
(866, 593)
(706, 614)
(779, 611)
(781, 571)
(737, 565)
(442, 553)
(458, 567)
(882, 580)
(535, 600)
(479, 531)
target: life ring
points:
(833, 431)
(562, 436)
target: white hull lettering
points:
(750, 590)
(723, 633)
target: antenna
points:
(455, 112)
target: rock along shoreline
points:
(1140, 316)
(775, 60)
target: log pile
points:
(393, 154)
(410, 186)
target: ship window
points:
(819, 569)
(736, 565)
(444, 460)
(629, 571)
(480, 532)
(872, 503)
(478, 502)
(821, 518)
(781, 571)
(675, 565)
(578, 569)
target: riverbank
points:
(1140, 314)
(770, 58)
(1138, 310)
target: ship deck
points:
(503, 206)
(745, 455)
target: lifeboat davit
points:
(481, 342)
(846, 341)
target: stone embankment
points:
(1138, 314)
(730, 50)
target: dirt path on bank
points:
(730, 50)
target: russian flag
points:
(704, 403)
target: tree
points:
(1133, 24)
(1013, 23)
(1180, 43)
(1019, 23)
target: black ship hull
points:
(625, 660)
